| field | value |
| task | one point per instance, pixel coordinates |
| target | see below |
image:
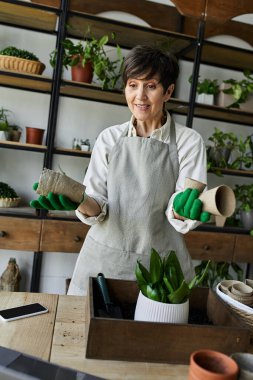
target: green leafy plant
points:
(4, 125)
(244, 196)
(93, 50)
(20, 53)
(207, 86)
(164, 281)
(245, 154)
(6, 191)
(239, 90)
(219, 153)
(218, 271)
(223, 139)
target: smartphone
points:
(22, 312)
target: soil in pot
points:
(34, 135)
(82, 73)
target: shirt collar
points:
(161, 133)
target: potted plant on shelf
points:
(237, 93)
(14, 133)
(88, 57)
(206, 90)
(8, 131)
(164, 293)
(244, 197)
(244, 154)
(8, 196)
(4, 125)
(12, 58)
(218, 271)
(223, 143)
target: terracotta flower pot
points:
(34, 135)
(82, 73)
(212, 365)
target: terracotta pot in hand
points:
(212, 365)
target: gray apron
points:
(142, 175)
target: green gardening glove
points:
(188, 205)
(53, 201)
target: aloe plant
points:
(164, 281)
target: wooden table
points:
(60, 337)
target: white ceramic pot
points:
(153, 311)
(85, 148)
(3, 135)
(224, 100)
(205, 98)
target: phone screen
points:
(22, 311)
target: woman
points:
(135, 172)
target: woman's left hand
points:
(187, 206)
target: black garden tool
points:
(112, 310)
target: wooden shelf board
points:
(18, 211)
(25, 82)
(91, 92)
(22, 146)
(235, 172)
(223, 114)
(224, 56)
(24, 16)
(72, 152)
(127, 35)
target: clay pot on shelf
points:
(212, 365)
(82, 73)
(34, 135)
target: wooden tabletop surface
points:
(60, 337)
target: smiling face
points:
(145, 98)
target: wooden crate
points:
(211, 326)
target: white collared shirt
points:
(192, 164)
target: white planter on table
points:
(154, 311)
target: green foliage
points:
(218, 271)
(4, 125)
(223, 139)
(223, 144)
(164, 281)
(6, 191)
(207, 86)
(240, 90)
(245, 154)
(244, 196)
(93, 50)
(20, 53)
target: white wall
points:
(77, 118)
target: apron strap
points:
(173, 150)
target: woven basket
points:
(21, 65)
(9, 202)
(243, 312)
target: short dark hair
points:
(149, 61)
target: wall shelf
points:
(28, 16)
